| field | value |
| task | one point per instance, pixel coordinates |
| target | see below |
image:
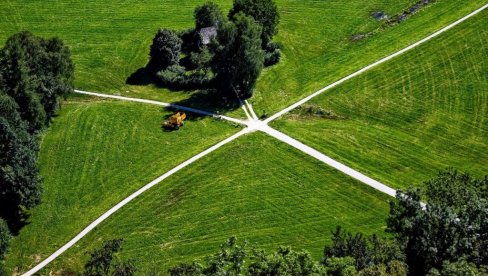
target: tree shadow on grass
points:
(204, 97)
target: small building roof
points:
(206, 34)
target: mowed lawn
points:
(95, 154)
(110, 39)
(256, 188)
(413, 116)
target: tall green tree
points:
(265, 12)
(20, 184)
(165, 49)
(453, 225)
(37, 73)
(239, 57)
(208, 15)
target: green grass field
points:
(405, 120)
(256, 188)
(94, 155)
(110, 39)
(420, 113)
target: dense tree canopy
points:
(165, 49)
(265, 12)
(239, 57)
(208, 15)
(36, 72)
(453, 225)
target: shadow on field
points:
(204, 97)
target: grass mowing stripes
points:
(412, 116)
(110, 39)
(256, 188)
(94, 155)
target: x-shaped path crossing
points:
(251, 124)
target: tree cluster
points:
(35, 73)
(449, 236)
(450, 232)
(102, 261)
(239, 46)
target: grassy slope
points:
(413, 116)
(256, 188)
(318, 51)
(94, 155)
(110, 39)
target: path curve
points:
(383, 60)
(170, 105)
(128, 199)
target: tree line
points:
(449, 236)
(226, 53)
(35, 73)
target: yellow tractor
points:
(175, 121)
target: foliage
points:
(283, 262)
(175, 77)
(459, 268)
(19, 177)
(231, 257)
(208, 15)
(101, 261)
(365, 252)
(239, 57)
(5, 237)
(165, 49)
(340, 266)
(36, 72)
(265, 12)
(202, 59)
(449, 228)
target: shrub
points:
(165, 49)
(208, 15)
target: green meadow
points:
(256, 188)
(95, 154)
(399, 123)
(411, 117)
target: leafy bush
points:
(208, 15)
(165, 49)
(175, 77)
(453, 225)
(272, 58)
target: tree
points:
(5, 237)
(453, 225)
(202, 59)
(19, 177)
(36, 72)
(283, 262)
(239, 57)
(341, 266)
(459, 268)
(265, 12)
(365, 252)
(165, 49)
(100, 262)
(208, 15)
